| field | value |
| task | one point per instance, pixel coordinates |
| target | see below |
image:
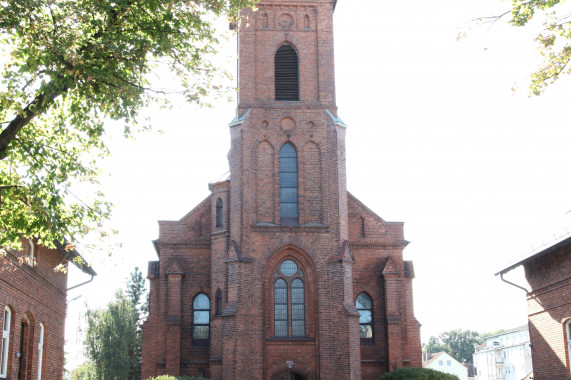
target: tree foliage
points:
(554, 41)
(457, 343)
(113, 341)
(70, 65)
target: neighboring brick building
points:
(281, 273)
(548, 273)
(33, 307)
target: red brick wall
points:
(35, 294)
(549, 307)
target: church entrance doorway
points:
(290, 376)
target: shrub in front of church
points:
(169, 377)
(417, 374)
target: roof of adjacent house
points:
(437, 355)
(543, 250)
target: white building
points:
(443, 362)
(504, 356)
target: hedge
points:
(417, 374)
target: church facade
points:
(281, 273)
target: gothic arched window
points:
(289, 300)
(41, 351)
(201, 317)
(286, 65)
(364, 306)
(4, 353)
(219, 213)
(288, 185)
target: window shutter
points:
(286, 73)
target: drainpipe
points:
(83, 283)
(511, 283)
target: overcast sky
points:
(436, 139)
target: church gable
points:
(365, 225)
(193, 226)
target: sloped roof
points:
(538, 252)
(74, 257)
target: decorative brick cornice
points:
(374, 245)
(195, 245)
(277, 229)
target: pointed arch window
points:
(288, 186)
(568, 328)
(4, 353)
(201, 318)
(219, 213)
(41, 351)
(364, 306)
(286, 69)
(289, 301)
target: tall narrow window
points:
(280, 307)
(201, 317)
(286, 64)
(219, 302)
(289, 300)
(569, 343)
(297, 308)
(364, 306)
(219, 213)
(4, 354)
(40, 351)
(288, 185)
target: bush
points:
(417, 374)
(169, 377)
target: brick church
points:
(280, 273)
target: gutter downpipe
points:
(83, 283)
(511, 283)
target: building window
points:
(288, 185)
(289, 300)
(4, 354)
(440, 363)
(201, 317)
(448, 363)
(364, 306)
(219, 302)
(286, 65)
(569, 343)
(219, 213)
(41, 351)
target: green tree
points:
(113, 341)
(457, 343)
(70, 65)
(86, 371)
(553, 41)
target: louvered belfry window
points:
(286, 73)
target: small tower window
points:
(286, 65)
(219, 213)
(288, 185)
(568, 325)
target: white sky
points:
(436, 139)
